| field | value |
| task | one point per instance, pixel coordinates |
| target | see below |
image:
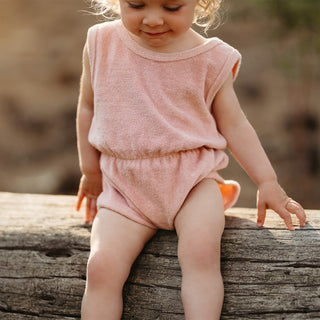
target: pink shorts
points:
(151, 190)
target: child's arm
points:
(245, 146)
(91, 181)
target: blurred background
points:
(41, 45)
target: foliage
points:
(296, 14)
(299, 23)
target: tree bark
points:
(269, 273)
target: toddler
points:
(156, 110)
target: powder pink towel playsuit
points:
(153, 123)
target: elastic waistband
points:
(157, 155)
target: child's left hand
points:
(272, 196)
(90, 188)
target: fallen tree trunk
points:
(269, 273)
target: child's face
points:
(158, 24)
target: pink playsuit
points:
(153, 123)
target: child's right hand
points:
(90, 188)
(272, 196)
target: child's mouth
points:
(155, 34)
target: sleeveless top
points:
(150, 104)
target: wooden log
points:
(269, 273)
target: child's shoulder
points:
(223, 57)
(104, 27)
(218, 45)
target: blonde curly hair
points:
(205, 13)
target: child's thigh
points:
(202, 210)
(200, 223)
(114, 235)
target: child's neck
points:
(186, 41)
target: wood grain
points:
(269, 273)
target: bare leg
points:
(115, 244)
(199, 225)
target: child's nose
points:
(153, 19)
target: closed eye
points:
(172, 9)
(135, 6)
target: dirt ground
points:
(40, 65)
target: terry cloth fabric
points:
(150, 107)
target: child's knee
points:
(105, 269)
(201, 253)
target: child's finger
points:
(88, 211)
(286, 216)
(81, 196)
(295, 208)
(93, 210)
(262, 210)
(288, 222)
